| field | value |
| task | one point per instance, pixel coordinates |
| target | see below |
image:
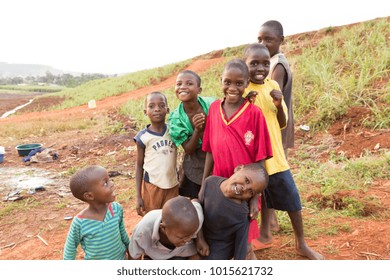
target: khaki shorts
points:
(155, 197)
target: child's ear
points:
(238, 168)
(162, 226)
(200, 90)
(88, 196)
(145, 112)
(167, 109)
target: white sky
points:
(119, 36)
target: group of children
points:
(234, 165)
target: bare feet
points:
(308, 252)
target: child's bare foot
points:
(265, 238)
(309, 253)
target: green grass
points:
(101, 88)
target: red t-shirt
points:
(242, 139)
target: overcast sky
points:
(120, 36)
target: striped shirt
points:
(100, 240)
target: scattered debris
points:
(43, 240)
(114, 173)
(68, 218)
(13, 196)
(304, 127)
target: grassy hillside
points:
(333, 68)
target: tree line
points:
(66, 80)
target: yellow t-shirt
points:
(278, 162)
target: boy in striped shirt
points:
(99, 228)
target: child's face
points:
(234, 83)
(156, 108)
(179, 234)
(187, 88)
(102, 188)
(268, 37)
(258, 63)
(245, 183)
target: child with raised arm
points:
(186, 126)
(156, 175)
(226, 213)
(271, 36)
(99, 228)
(281, 193)
(168, 233)
(236, 133)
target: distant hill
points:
(23, 70)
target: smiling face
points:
(101, 188)
(187, 87)
(244, 184)
(234, 81)
(258, 62)
(156, 107)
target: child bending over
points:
(226, 211)
(168, 233)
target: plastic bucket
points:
(24, 150)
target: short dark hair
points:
(258, 168)
(156, 93)
(80, 181)
(253, 47)
(179, 210)
(196, 76)
(275, 25)
(239, 64)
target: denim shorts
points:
(282, 193)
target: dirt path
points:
(108, 103)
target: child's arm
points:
(277, 97)
(139, 175)
(208, 166)
(72, 241)
(253, 202)
(190, 145)
(201, 245)
(279, 75)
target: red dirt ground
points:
(40, 234)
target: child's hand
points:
(202, 247)
(253, 207)
(252, 96)
(277, 97)
(140, 206)
(199, 121)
